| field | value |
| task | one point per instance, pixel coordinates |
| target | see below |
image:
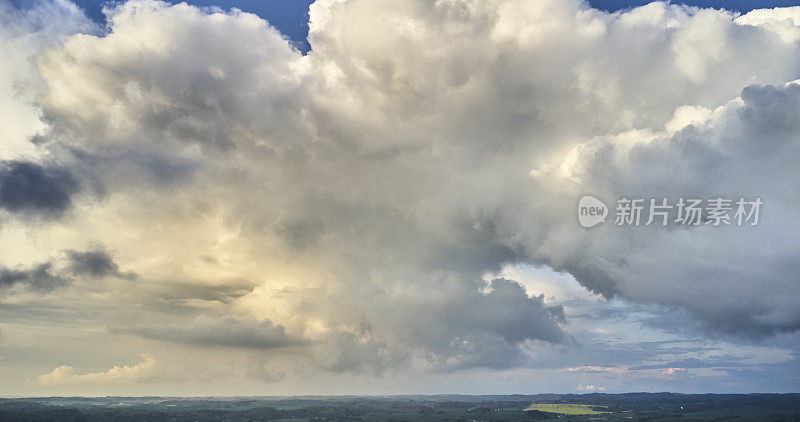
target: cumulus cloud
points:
(741, 152)
(590, 387)
(370, 188)
(24, 33)
(66, 375)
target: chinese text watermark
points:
(717, 211)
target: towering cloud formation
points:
(366, 191)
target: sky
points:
(194, 203)
(290, 17)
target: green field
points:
(632, 407)
(567, 408)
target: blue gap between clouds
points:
(738, 5)
(291, 16)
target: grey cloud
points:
(222, 331)
(39, 277)
(744, 152)
(120, 166)
(452, 330)
(96, 263)
(50, 275)
(771, 110)
(175, 292)
(31, 188)
(508, 311)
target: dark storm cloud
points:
(48, 275)
(38, 277)
(31, 188)
(95, 264)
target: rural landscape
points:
(661, 407)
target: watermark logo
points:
(591, 211)
(716, 211)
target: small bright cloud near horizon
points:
(193, 202)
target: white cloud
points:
(23, 34)
(595, 369)
(65, 375)
(590, 387)
(674, 371)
